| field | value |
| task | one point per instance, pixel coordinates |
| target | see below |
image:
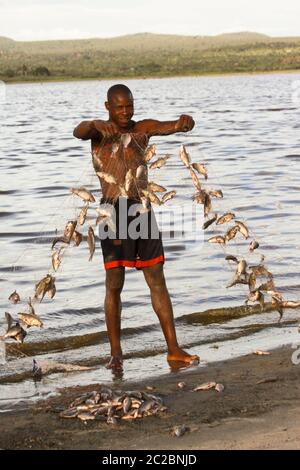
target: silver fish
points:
(231, 233)
(69, 229)
(110, 179)
(179, 431)
(241, 267)
(205, 386)
(125, 140)
(15, 332)
(14, 297)
(243, 228)
(91, 242)
(83, 194)
(56, 261)
(128, 179)
(115, 148)
(219, 388)
(166, 197)
(83, 214)
(253, 245)
(77, 237)
(184, 156)
(155, 188)
(225, 218)
(195, 180)
(201, 170)
(141, 172)
(216, 193)
(159, 162)
(152, 196)
(217, 239)
(209, 222)
(30, 320)
(150, 152)
(43, 286)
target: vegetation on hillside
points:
(146, 55)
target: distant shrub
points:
(41, 71)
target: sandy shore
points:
(259, 409)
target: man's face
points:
(120, 108)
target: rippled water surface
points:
(247, 133)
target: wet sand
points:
(246, 415)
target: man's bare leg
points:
(162, 306)
(112, 307)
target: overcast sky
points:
(75, 19)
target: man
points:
(118, 145)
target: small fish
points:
(141, 172)
(69, 229)
(201, 170)
(152, 196)
(128, 179)
(241, 267)
(237, 280)
(155, 188)
(256, 296)
(69, 413)
(217, 239)
(232, 258)
(123, 191)
(216, 193)
(150, 152)
(231, 233)
(51, 291)
(205, 386)
(253, 245)
(115, 148)
(30, 320)
(91, 242)
(56, 261)
(209, 222)
(14, 298)
(61, 240)
(184, 156)
(290, 304)
(85, 416)
(77, 238)
(207, 205)
(260, 270)
(243, 228)
(15, 332)
(159, 162)
(261, 353)
(169, 195)
(145, 204)
(125, 140)
(83, 214)
(267, 286)
(225, 218)
(181, 385)
(127, 404)
(219, 388)
(43, 286)
(30, 307)
(195, 180)
(252, 281)
(83, 194)
(110, 179)
(179, 431)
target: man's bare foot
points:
(178, 355)
(115, 363)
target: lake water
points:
(247, 134)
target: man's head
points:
(119, 104)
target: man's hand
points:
(184, 124)
(106, 129)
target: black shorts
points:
(134, 239)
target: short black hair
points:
(118, 88)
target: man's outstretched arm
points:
(152, 127)
(96, 129)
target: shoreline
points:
(142, 77)
(258, 409)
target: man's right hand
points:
(105, 128)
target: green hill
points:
(146, 55)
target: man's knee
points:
(115, 279)
(154, 276)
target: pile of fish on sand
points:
(256, 277)
(112, 406)
(245, 273)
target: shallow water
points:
(247, 133)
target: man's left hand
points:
(185, 123)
